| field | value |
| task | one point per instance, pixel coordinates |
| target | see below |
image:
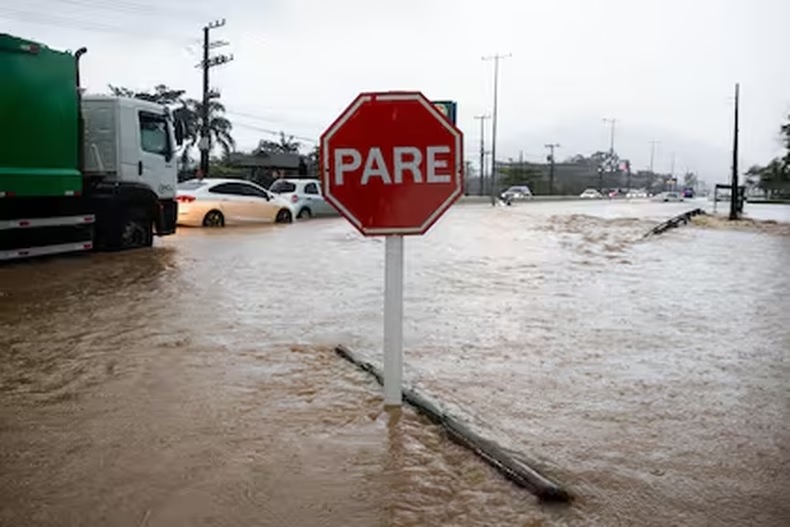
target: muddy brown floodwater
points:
(195, 383)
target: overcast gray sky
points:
(664, 68)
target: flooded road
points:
(195, 383)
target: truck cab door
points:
(153, 162)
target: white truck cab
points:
(132, 141)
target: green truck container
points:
(39, 150)
(75, 172)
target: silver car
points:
(305, 197)
(516, 193)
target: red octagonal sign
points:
(392, 163)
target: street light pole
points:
(734, 197)
(612, 123)
(496, 59)
(653, 153)
(551, 147)
(482, 119)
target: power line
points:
(85, 25)
(275, 132)
(264, 119)
(126, 7)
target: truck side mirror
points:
(179, 130)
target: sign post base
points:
(393, 320)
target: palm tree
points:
(219, 127)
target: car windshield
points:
(282, 186)
(192, 184)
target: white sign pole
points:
(393, 320)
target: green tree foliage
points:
(774, 178)
(219, 127)
(785, 129)
(285, 145)
(690, 180)
(518, 175)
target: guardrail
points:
(674, 222)
(506, 462)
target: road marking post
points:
(393, 320)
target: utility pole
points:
(611, 123)
(207, 63)
(734, 197)
(653, 153)
(496, 59)
(551, 147)
(611, 168)
(672, 172)
(482, 119)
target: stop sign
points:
(392, 163)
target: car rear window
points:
(192, 184)
(281, 187)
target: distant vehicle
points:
(215, 202)
(668, 197)
(688, 193)
(590, 193)
(636, 194)
(305, 197)
(517, 193)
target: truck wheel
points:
(284, 216)
(305, 213)
(214, 218)
(137, 231)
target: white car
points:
(519, 192)
(305, 197)
(218, 202)
(668, 196)
(590, 193)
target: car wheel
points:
(214, 218)
(284, 216)
(305, 213)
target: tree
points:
(785, 129)
(219, 127)
(286, 145)
(774, 177)
(162, 94)
(518, 175)
(690, 180)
